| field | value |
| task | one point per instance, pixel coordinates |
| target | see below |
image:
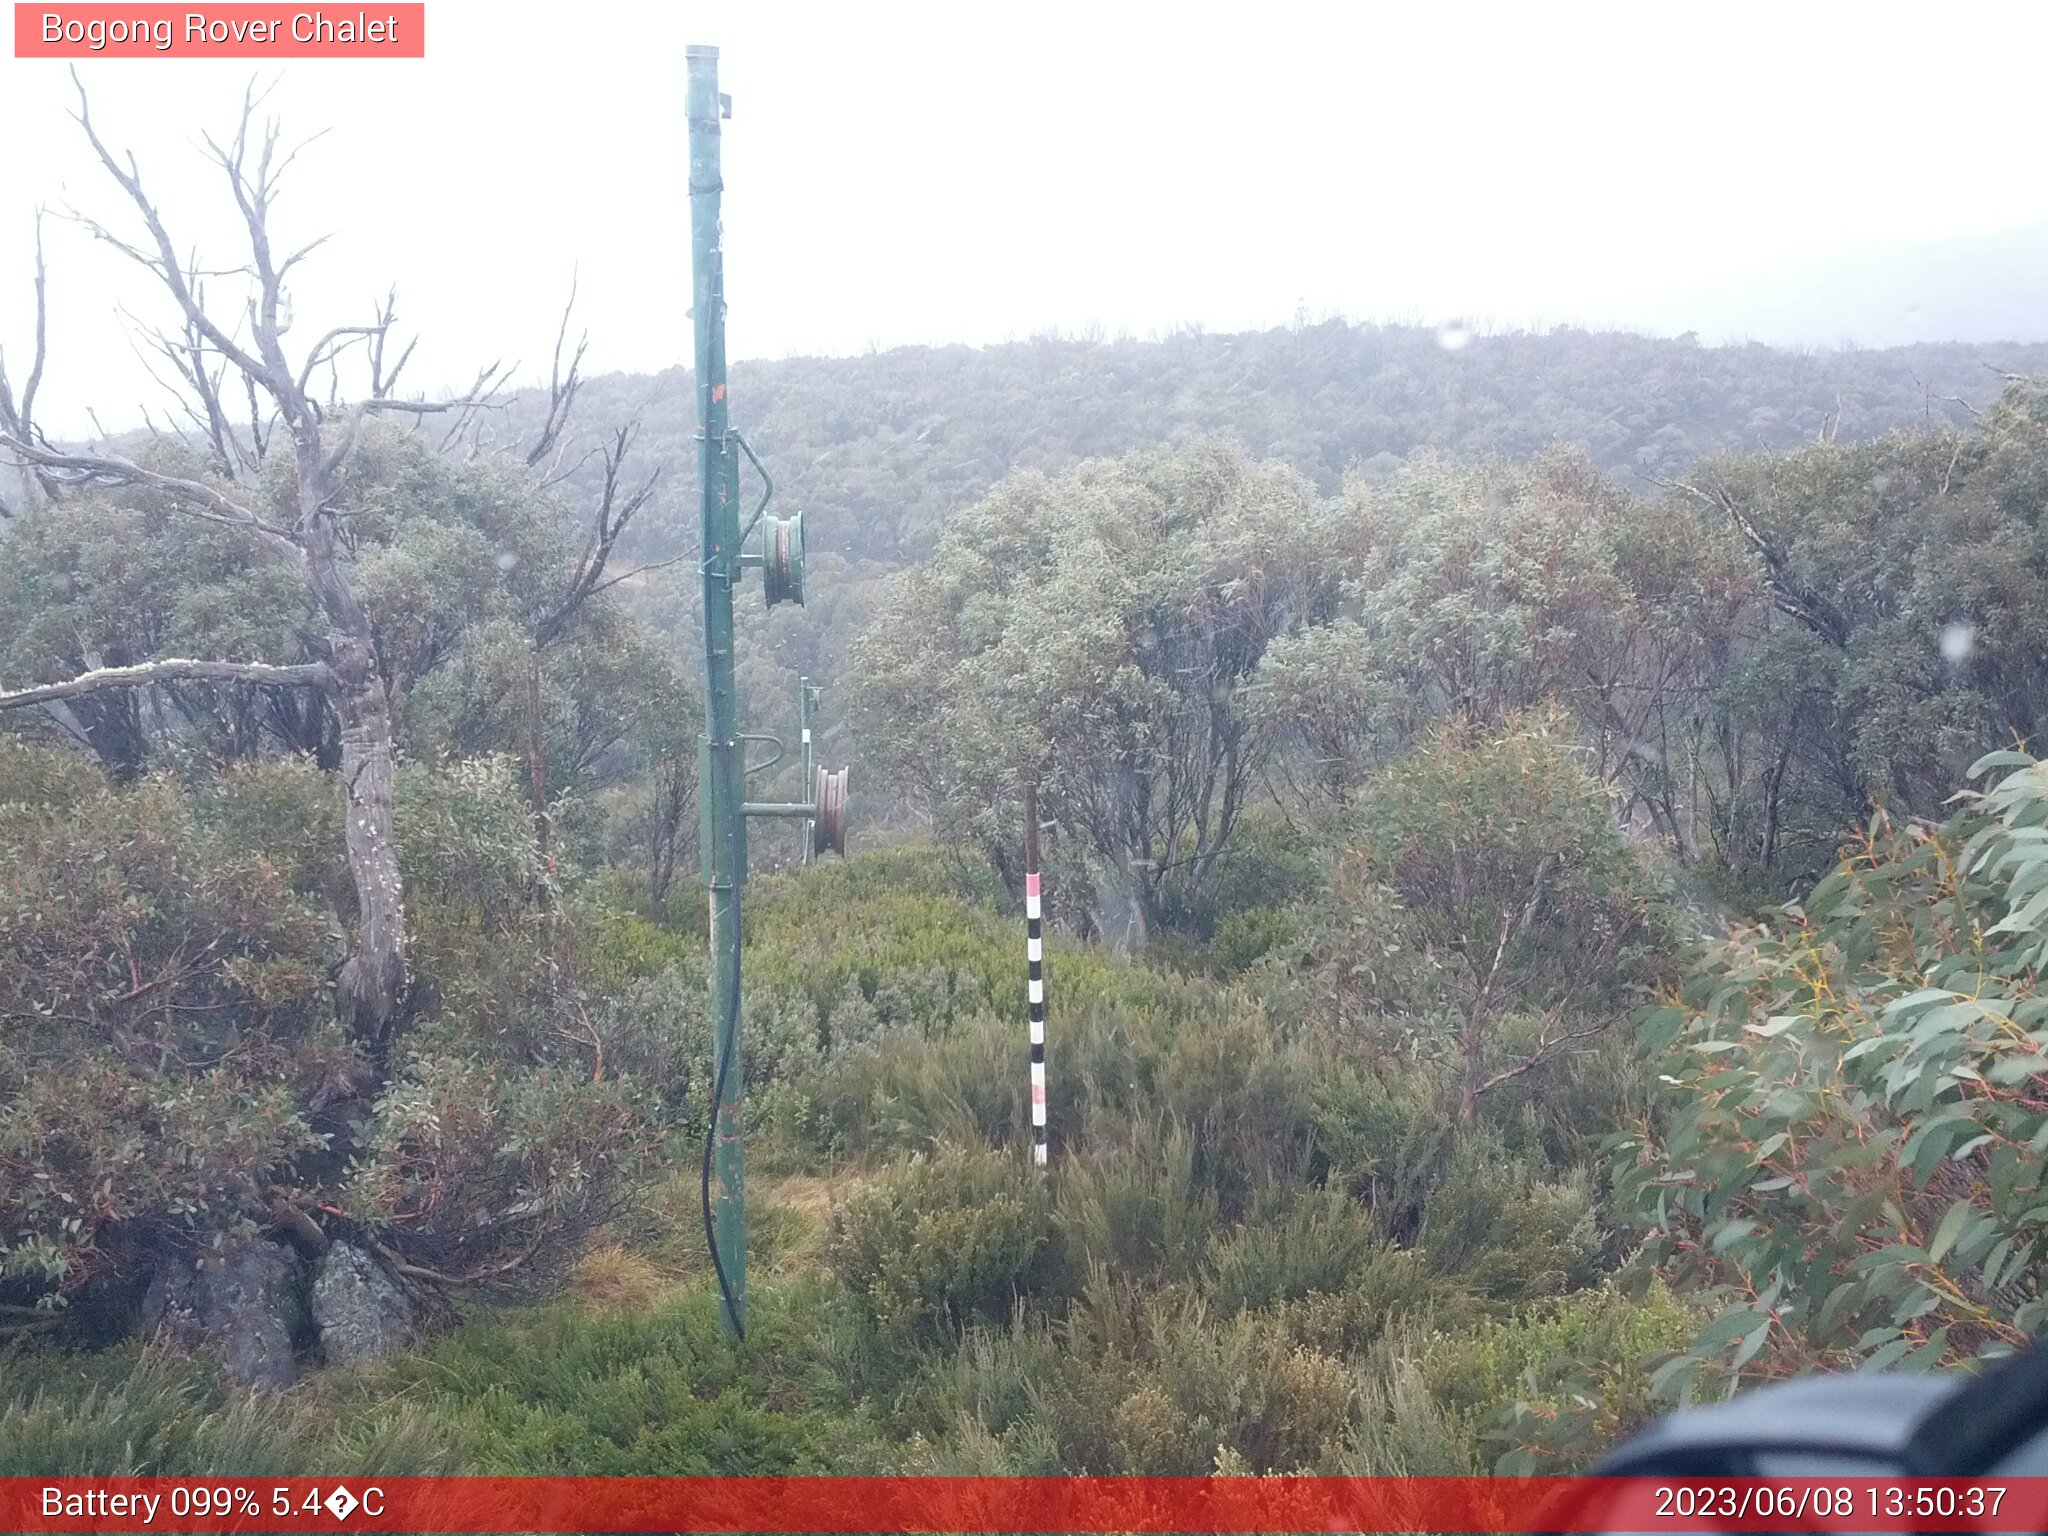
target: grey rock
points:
(361, 1313)
(233, 1299)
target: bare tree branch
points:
(614, 515)
(644, 570)
(253, 196)
(259, 426)
(561, 390)
(482, 395)
(330, 346)
(201, 500)
(382, 383)
(1954, 458)
(463, 406)
(468, 401)
(165, 263)
(1547, 1048)
(1513, 929)
(413, 1271)
(196, 391)
(188, 356)
(18, 419)
(48, 1323)
(35, 370)
(1792, 597)
(171, 669)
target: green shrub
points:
(1162, 1388)
(467, 852)
(1389, 1287)
(165, 1030)
(1134, 1208)
(293, 812)
(1507, 1232)
(143, 1413)
(496, 1176)
(896, 1092)
(1321, 1243)
(1401, 1429)
(1383, 1133)
(1246, 937)
(654, 1031)
(943, 1240)
(44, 777)
(614, 947)
(993, 1403)
(561, 1390)
(1242, 1386)
(1546, 1387)
(1851, 1152)
(1269, 862)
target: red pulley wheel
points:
(782, 560)
(828, 831)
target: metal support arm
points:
(767, 484)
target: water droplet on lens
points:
(1957, 641)
(1452, 335)
(507, 561)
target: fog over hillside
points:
(1985, 288)
(879, 449)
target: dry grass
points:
(812, 1196)
(787, 1220)
(796, 1214)
(614, 1279)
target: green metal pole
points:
(720, 763)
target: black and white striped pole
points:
(1034, 950)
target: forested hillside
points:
(881, 448)
(880, 452)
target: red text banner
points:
(1021, 1504)
(223, 31)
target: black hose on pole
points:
(725, 1055)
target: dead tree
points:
(18, 413)
(217, 359)
(591, 576)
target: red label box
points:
(378, 30)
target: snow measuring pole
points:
(722, 769)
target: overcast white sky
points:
(974, 171)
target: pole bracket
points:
(767, 483)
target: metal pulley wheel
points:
(782, 559)
(828, 831)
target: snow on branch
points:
(171, 669)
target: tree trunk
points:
(671, 823)
(1472, 1040)
(537, 763)
(112, 726)
(1774, 787)
(372, 981)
